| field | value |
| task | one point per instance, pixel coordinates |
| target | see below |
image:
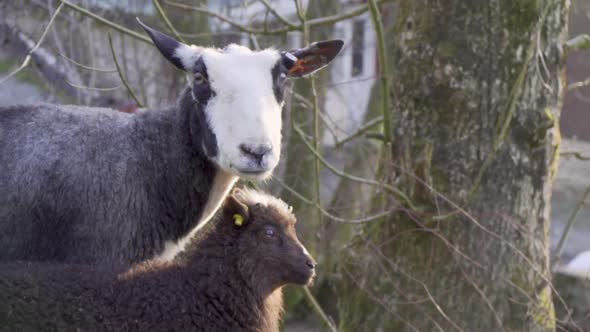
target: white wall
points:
(348, 96)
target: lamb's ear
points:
(304, 61)
(235, 209)
(181, 55)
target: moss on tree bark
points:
(458, 65)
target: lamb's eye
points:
(269, 232)
(199, 78)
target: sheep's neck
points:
(222, 184)
(193, 185)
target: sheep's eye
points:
(282, 78)
(199, 78)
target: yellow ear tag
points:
(238, 219)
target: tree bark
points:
(477, 91)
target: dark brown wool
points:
(228, 279)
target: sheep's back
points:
(64, 169)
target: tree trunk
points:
(477, 91)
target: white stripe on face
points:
(244, 110)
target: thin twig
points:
(566, 232)
(30, 53)
(317, 168)
(338, 17)
(279, 16)
(308, 201)
(576, 155)
(123, 79)
(396, 192)
(92, 88)
(311, 23)
(378, 25)
(87, 67)
(578, 85)
(229, 21)
(364, 128)
(314, 303)
(462, 211)
(580, 42)
(167, 21)
(106, 22)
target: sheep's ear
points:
(181, 55)
(304, 61)
(235, 209)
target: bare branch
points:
(92, 88)
(87, 67)
(167, 21)
(229, 21)
(578, 43)
(133, 95)
(29, 55)
(279, 16)
(576, 155)
(578, 85)
(339, 17)
(378, 25)
(331, 216)
(106, 22)
(570, 223)
(311, 23)
(318, 309)
(363, 129)
(396, 192)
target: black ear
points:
(304, 61)
(167, 45)
(236, 210)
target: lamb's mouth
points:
(305, 278)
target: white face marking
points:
(244, 110)
(305, 252)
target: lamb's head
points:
(269, 252)
(239, 94)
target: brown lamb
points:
(228, 279)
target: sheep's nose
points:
(311, 264)
(256, 151)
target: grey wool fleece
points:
(91, 185)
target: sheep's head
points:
(240, 94)
(268, 248)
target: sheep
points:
(96, 186)
(229, 278)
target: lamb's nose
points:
(311, 264)
(256, 151)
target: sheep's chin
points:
(247, 174)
